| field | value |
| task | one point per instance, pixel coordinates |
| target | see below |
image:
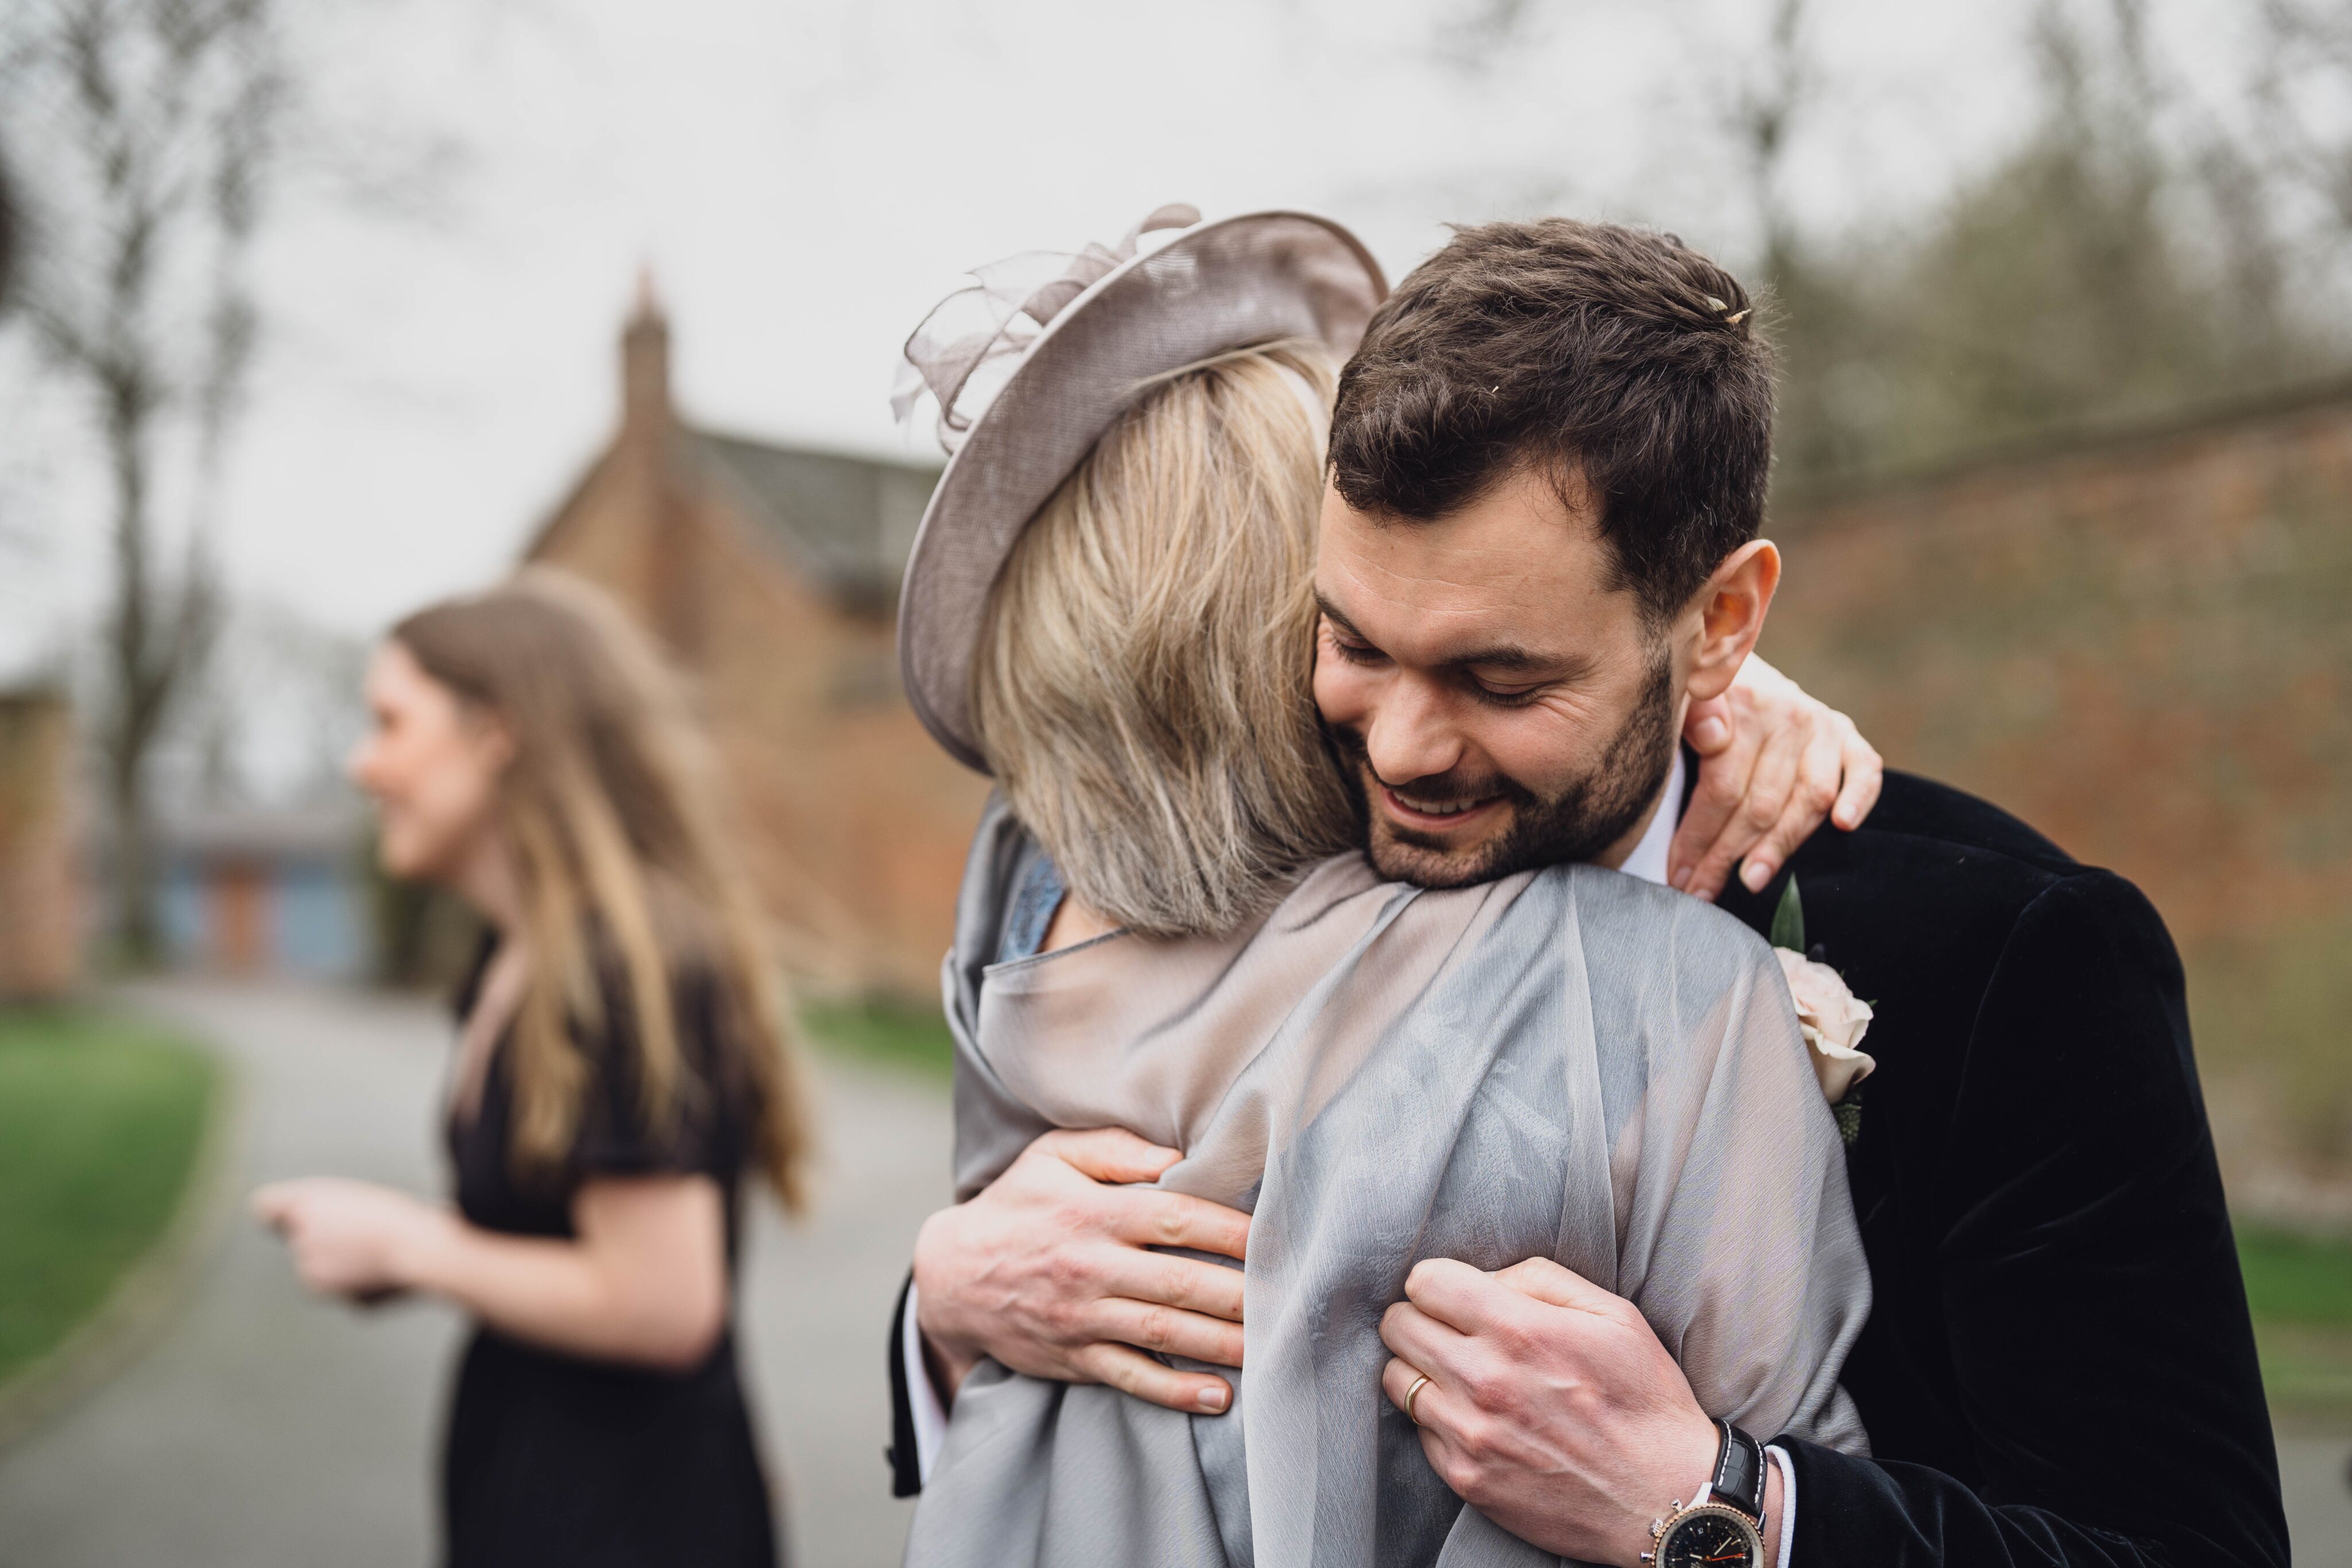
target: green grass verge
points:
(2304, 1368)
(2298, 1279)
(100, 1121)
(2300, 1289)
(889, 1032)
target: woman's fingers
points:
(1708, 727)
(1171, 1331)
(1813, 788)
(1766, 794)
(1771, 792)
(1698, 861)
(1132, 1372)
(1427, 1408)
(1836, 752)
(1792, 762)
(1557, 1285)
(1864, 771)
(273, 1205)
(1421, 1339)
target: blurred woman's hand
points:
(644, 1280)
(1774, 762)
(351, 1239)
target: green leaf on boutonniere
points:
(1789, 920)
(1848, 1113)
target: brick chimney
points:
(665, 592)
(645, 363)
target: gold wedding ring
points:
(1412, 1394)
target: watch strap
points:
(1738, 1477)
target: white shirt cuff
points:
(931, 1417)
(1780, 1462)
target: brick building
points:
(772, 572)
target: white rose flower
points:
(1833, 1019)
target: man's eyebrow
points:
(1501, 656)
(1332, 613)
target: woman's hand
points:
(351, 1239)
(643, 1280)
(1774, 762)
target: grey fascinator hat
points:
(1032, 364)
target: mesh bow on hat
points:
(991, 324)
(1036, 360)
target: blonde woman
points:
(1168, 928)
(622, 1068)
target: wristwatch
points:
(1723, 1527)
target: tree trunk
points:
(140, 680)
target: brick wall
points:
(40, 897)
(2143, 648)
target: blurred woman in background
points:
(623, 1061)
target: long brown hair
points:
(613, 812)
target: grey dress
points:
(1570, 1064)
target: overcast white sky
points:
(806, 177)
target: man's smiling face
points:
(1500, 704)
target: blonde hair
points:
(1143, 689)
(614, 809)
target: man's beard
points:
(1588, 817)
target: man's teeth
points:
(1438, 808)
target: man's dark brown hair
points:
(1592, 352)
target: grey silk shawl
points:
(1571, 1064)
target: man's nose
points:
(1411, 734)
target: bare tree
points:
(144, 131)
(1474, 33)
(1765, 108)
(8, 226)
(2307, 61)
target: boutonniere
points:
(1833, 1018)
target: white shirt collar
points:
(1648, 860)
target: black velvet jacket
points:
(2059, 1368)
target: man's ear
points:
(1730, 610)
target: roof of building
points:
(845, 520)
(331, 829)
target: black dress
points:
(553, 1458)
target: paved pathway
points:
(268, 1429)
(2315, 1473)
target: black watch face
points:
(1709, 1539)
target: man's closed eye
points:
(1503, 696)
(1352, 653)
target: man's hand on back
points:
(1048, 1271)
(1550, 1407)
